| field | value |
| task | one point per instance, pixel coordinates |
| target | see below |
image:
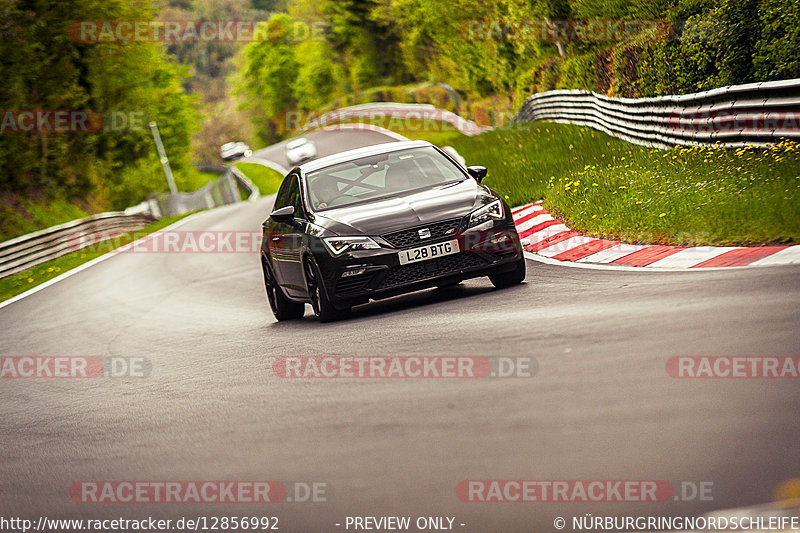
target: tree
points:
(45, 67)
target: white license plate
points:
(429, 251)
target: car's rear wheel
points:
(323, 307)
(513, 277)
(282, 307)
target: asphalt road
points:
(600, 407)
(327, 143)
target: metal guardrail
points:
(244, 181)
(215, 193)
(22, 253)
(754, 114)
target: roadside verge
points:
(548, 240)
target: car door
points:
(275, 233)
(286, 239)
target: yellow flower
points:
(30, 280)
(662, 215)
(594, 216)
(571, 147)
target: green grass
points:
(23, 281)
(266, 179)
(610, 188)
(195, 179)
(26, 216)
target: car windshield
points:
(380, 176)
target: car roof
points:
(357, 153)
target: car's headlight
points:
(493, 211)
(339, 245)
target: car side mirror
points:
(477, 172)
(284, 214)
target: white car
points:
(300, 149)
(234, 150)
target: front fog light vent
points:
(353, 272)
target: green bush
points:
(776, 51)
(578, 73)
(316, 81)
(44, 68)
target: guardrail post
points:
(164, 161)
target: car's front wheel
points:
(513, 277)
(323, 307)
(282, 307)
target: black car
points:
(380, 221)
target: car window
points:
(280, 198)
(289, 194)
(380, 176)
(294, 197)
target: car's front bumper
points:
(482, 253)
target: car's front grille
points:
(449, 264)
(410, 237)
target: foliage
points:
(43, 68)
(478, 47)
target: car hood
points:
(408, 210)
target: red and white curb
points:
(548, 240)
